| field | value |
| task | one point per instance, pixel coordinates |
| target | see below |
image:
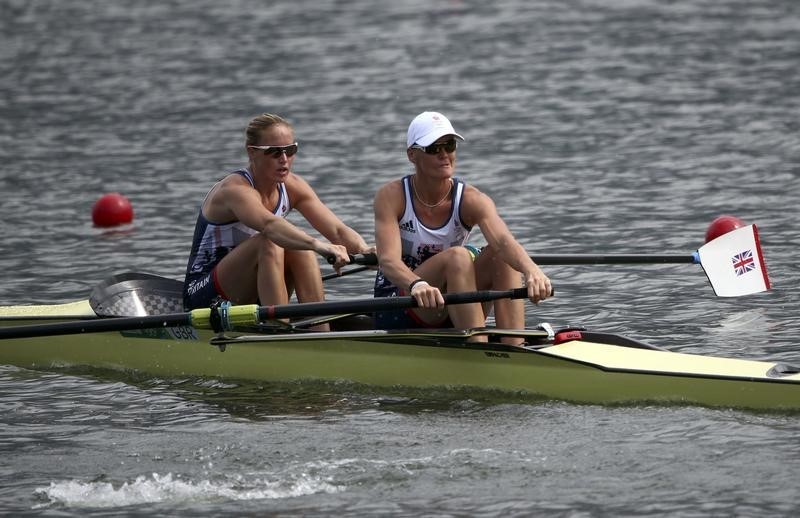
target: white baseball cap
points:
(428, 127)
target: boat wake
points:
(172, 489)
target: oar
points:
(733, 262)
(137, 293)
(229, 317)
(334, 275)
(565, 259)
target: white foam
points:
(168, 488)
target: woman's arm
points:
(479, 209)
(237, 200)
(323, 219)
(388, 207)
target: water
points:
(597, 127)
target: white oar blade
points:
(734, 263)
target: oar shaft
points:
(96, 326)
(311, 309)
(334, 275)
(553, 259)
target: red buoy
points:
(112, 209)
(722, 225)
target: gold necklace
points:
(416, 195)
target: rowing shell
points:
(595, 368)
(571, 365)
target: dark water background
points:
(597, 126)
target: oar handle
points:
(363, 259)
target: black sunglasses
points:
(433, 149)
(277, 151)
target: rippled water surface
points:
(597, 126)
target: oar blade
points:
(734, 263)
(137, 294)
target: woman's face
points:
(275, 162)
(439, 162)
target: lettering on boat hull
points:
(163, 333)
(492, 354)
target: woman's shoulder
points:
(474, 201)
(391, 185)
(471, 191)
(390, 191)
(296, 184)
(238, 177)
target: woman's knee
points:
(301, 257)
(301, 267)
(493, 271)
(268, 250)
(459, 259)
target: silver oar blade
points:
(135, 294)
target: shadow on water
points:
(324, 400)
(319, 399)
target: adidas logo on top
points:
(408, 226)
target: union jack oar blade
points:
(734, 263)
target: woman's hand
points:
(427, 296)
(336, 255)
(538, 285)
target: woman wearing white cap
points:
(422, 222)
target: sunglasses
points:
(433, 149)
(277, 151)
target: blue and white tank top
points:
(213, 241)
(419, 242)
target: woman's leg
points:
(492, 273)
(452, 271)
(254, 271)
(304, 277)
(258, 270)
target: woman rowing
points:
(244, 250)
(422, 222)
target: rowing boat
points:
(130, 323)
(576, 366)
(572, 365)
(567, 364)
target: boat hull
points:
(588, 369)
